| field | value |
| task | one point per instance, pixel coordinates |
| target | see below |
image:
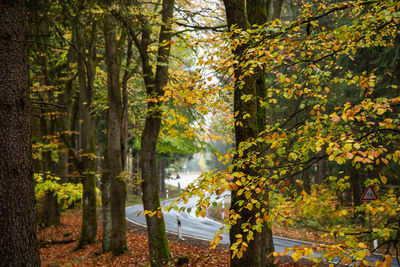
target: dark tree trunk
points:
(158, 243)
(307, 180)
(243, 14)
(114, 144)
(245, 130)
(258, 13)
(356, 182)
(51, 209)
(106, 205)
(87, 162)
(321, 170)
(18, 241)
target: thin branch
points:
(48, 103)
(220, 28)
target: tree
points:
(17, 203)
(85, 158)
(155, 83)
(246, 129)
(115, 146)
(304, 61)
(260, 12)
(311, 118)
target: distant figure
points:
(179, 186)
(177, 176)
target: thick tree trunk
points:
(18, 241)
(246, 130)
(114, 145)
(259, 12)
(158, 243)
(87, 164)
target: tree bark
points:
(259, 12)
(158, 243)
(106, 205)
(246, 130)
(114, 141)
(357, 188)
(18, 240)
(321, 171)
(87, 162)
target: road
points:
(205, 229)
(197, 227)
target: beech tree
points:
(155, 83)
(86, 40)
(115, 154)
(17, 202)
(310, 119)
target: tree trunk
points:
(259, 12)
(51, 209)
(18, 240)
(106, 205)
(321, 170)
(245, 130)
(87, 162)
(114, 144)
(162, 165)
(356, 182)
(158, 243)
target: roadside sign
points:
(369, 194)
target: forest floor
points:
(57, 245)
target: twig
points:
(48, 103)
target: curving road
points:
(205, 229)
(197, 227)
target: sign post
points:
(178, 221)
(368, 195)
(223, 209)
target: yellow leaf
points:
(296, 256)
(249, 206)
(239, 254)
(362, 245)
(380, 111)
(388, 258)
